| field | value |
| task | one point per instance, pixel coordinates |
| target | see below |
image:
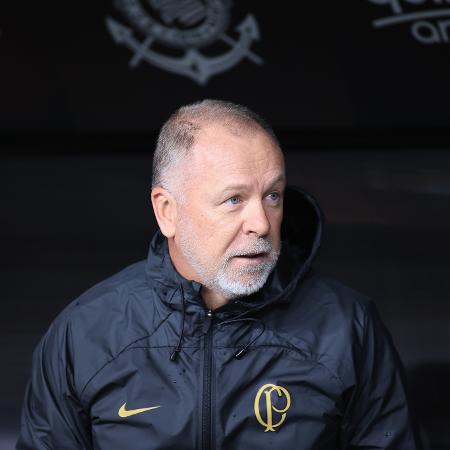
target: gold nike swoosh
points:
(123, 412)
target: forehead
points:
(225, 155)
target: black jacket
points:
(137, 362)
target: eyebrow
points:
(237, 187)
(279, 179)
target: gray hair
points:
(178, 134)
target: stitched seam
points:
(331, 372)
(293, 349)
(335, 375)
(159, 346)
(121, 351)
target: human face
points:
(228, 227)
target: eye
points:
(235, 200)
(274, 196)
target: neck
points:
(213, 299)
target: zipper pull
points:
(208, 320)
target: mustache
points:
(261, 245)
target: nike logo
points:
(123, 412)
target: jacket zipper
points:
(207, 374)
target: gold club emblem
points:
(269, 408)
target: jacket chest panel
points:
(269, 399)
(142, 400)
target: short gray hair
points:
(178, 134)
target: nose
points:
(256, 220)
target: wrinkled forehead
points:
(222, 154)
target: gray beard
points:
(226, 281)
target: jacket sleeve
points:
(379, 415)
(52, 417)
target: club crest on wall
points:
(191, 38)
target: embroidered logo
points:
(265, 412)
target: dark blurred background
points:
(357, 92)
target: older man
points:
(224, 338)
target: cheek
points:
(221, 232)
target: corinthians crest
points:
(186, 37)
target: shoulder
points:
(96, 326)
(104, 301)
(329, 321)
(339, 303)
(324, 312)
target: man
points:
(224, 338)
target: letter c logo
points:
(269, 408)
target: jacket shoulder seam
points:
(314, 360)
(120, 352)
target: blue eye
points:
(274, 196)
(234, 200)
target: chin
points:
(242, 287)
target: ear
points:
(165, 209)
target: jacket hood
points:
(301, 233)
